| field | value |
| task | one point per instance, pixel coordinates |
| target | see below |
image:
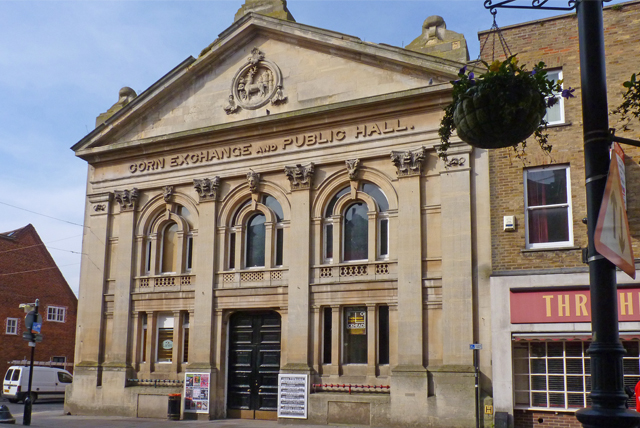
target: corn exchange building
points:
(275, 210)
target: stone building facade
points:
(540, 286)
(276, 206)
(28, 272)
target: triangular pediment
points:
(260, 67)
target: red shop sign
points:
(560, 306)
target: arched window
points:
(356, 230)
(256, 232)
(355, 225)
(170, 248)
(262, 235)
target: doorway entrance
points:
(254, 364)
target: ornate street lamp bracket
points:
(535, 4)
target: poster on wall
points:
(196, 392)
(292, 395)
(357, 321)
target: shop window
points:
(326, 335)
(55, 313)
(383, 335)
(354, 335)
(555, 113)
(557, 375)
(143, 356)
(185, 338)
(548, 207)
(355, 224)
(354, 345)
(164, 350)
(12, 326)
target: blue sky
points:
(63, 62)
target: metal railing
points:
(154, 382)
(348, 387)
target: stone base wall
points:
(533, 419)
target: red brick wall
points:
(532, 419)
(555, 41)
(28, 272)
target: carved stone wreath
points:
(255, 84)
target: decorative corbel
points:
(352, 169)
(167, 193)
(207, 188)
(253, 178)
(127, 199)
(409, 162)
(300, 176)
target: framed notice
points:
(196, 392)
(292, 395)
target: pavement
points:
(52, 416)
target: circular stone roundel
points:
(256, 83)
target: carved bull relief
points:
(257, 82)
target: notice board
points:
(293, 395)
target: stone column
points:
(136, 348)
(336, 341)
(118, 365)
(454, 380)
(90, 322)
(176, 352)
(372, 340)
(409, 386)
(299, 262)
(203, 323)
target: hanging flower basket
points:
(501, 108)
(482, 120)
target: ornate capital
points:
(299, 176)
(352, 168)
(126, 198)
(207, 188)
(253, 178)
(167, 193)
(409, 162)
(454, 162)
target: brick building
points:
(539, 284)
(28, 272)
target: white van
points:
(48, 382)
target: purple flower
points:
(568, 93)
(533, 72)
(471, 76)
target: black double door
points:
(254, 364)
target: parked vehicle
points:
(48, 382)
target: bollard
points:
(5, 416)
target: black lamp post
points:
(26, 419)
(607, 389)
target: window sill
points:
(537, 250)
(546, 409)
(559, 125)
